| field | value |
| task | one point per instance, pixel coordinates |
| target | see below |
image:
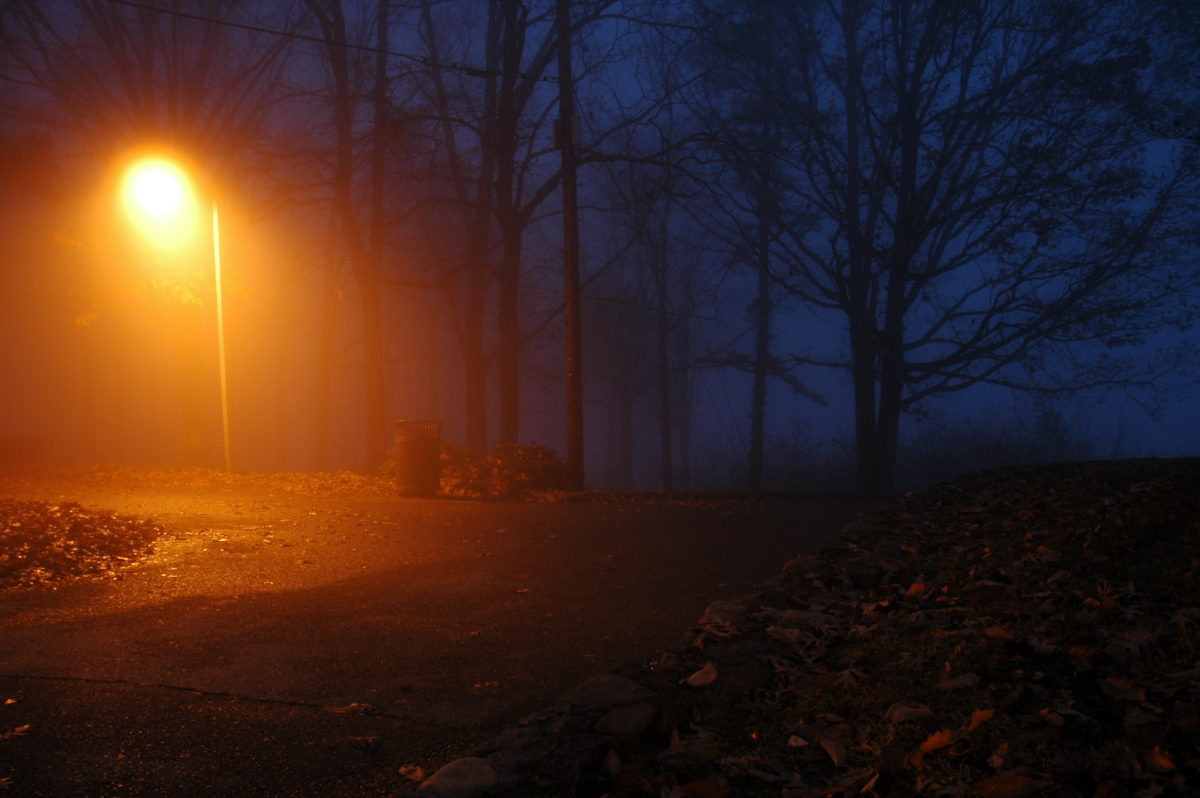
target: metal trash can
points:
(418, 457)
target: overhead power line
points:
(465, 69)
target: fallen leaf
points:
(17, 732)
(1157, 760)
(851, 677)
(721, 617)
(978, 717)
(998, 633)
(816, 619)
(937, 740)
(836, 751)
(1051, 717)
(413, 772)
(790, 636)
(524, 589)
(719, 629)
(959, 682)
(1136, 716)
(916, 588)
(901, 713)
(703, 677)
(1083, 655)
(1190, 675)
(796, 741)
(770, 778)
(612, 764)
(1009, 785)
(1122, 689)
(1041, 646)
(704, 789)
(674, 748)
(999, 758)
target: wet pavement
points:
(278, 644)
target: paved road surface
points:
(283, 645)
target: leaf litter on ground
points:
(44, 541)
(1016, 632)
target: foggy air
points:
(819, 245)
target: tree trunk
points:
(572, 303)
(325, 358)
(887, 433)
(892, 366)
(683, 340)
(365, 271)
(866, 449)
(860, 306)
(628, 399)
(762, 353)
(504, 135)
(509, 330)
(477, 221)
(664, 360)
(371, 273)
(475, 376)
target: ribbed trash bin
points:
(418, 457)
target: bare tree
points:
(491, 170)
(1174, 28)
(116, 77)
(485, 155)
(365, 253)
(742, 216)
(620, 322)
(986, 211)
(647, 209)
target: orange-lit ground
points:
(211, 668)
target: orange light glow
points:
(158, 196)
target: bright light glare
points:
(159, 198)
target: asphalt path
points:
(306, 645)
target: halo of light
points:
(159, 198)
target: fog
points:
(110, 346)
(704, 313)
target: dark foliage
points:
(510, 471)
(1016, 632)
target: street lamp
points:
(159, 197)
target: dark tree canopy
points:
(967, 187)
(942, 195)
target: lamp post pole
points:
(159, 197)
(216, 231)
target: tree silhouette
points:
(986, 212)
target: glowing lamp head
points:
(158, 196)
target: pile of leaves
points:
(511, 471)
(195, 478)
(40, 541)
(1019, 632)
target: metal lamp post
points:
(159, 197)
